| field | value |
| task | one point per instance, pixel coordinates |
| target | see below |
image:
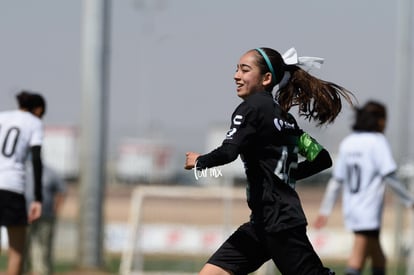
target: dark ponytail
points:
(316, 99)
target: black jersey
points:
(266, 138)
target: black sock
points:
(352, 271)
(378, 271)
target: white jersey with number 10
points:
(19, 130)
(363, 160)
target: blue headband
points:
(269, 64)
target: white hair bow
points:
(290, 57)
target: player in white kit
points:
(363, 168)
(21, 134)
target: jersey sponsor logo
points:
(281, 124)
(237, 120)
(230, 133)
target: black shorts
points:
(369, 233)
(250, 247)
(12, 208)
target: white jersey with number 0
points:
(363, 160)
(19, 131)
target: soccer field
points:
(169, 265)
(188, 212)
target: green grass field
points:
(62, 267)
(187, 264)
(195, 264)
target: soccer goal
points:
(181, 222)
(188, 223)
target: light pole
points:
(403, 92)
(94, 85)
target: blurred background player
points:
(41, 233)
(21, 133)
(363, 167)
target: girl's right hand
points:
(190, 160)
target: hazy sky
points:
(172, 61)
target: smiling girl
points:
(268, 140)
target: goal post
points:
(180, 220)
